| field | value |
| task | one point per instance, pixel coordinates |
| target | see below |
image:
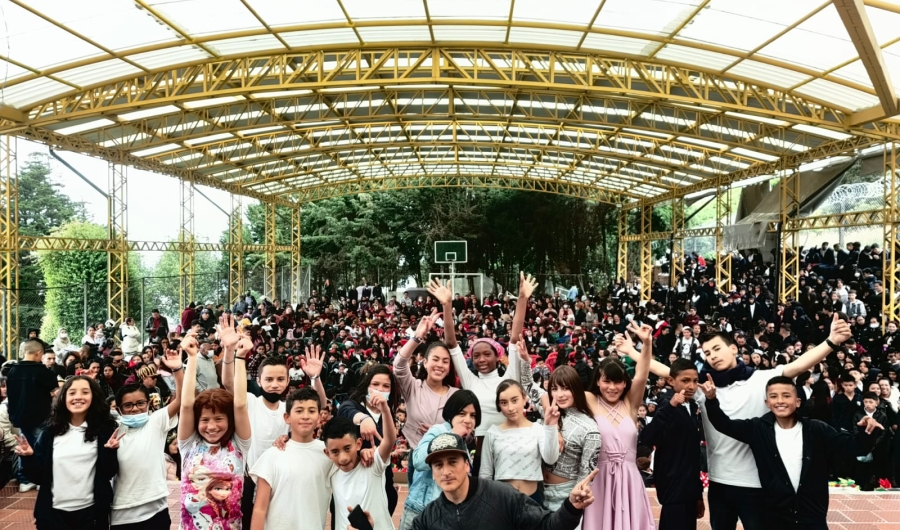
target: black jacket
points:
(38, 468)
(676, 435)
(29, 385)
(492, 505)
(809, 504)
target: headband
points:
(494, 344)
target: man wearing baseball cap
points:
(475, 503)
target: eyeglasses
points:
(128, 407)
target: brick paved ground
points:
(859, 511)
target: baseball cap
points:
(446, 443)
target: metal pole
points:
(143, 283)
(85, 296)
(452, 274)
(3, 320)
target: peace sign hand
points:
(113, 442)
(23, 448)
(552, 415)
(709, 388)
(643, 332)
(581, 495)
(523, 351)
(623, 344)
(312, 365)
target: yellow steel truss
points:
(891, 296)
(270, 216)
(117, 233)
(789, 206)
(646, 217)
(186, 238)
(9, 256)
(295, 255)
(622, 254)
(236, 252)
(676, 267)
(723, 255)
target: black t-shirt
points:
(29, 385)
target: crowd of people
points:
(521, 410)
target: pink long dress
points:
(620, 499)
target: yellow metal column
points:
(296, 268)
(236, 251)
(270, 291)
(646, 254)
(891, 296)
(117, 256)
(789, 207)
(9, 255)
(723, 257)
(186, 245)
(622, 256)
(676, 268)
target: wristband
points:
(180, 368)
(417, 340)
(313, 377)
(241, 358)
(833, 346)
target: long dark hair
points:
(449, 379)
(361, 392)
(98, 417)
(615, 371)
(566, 377)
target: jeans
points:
(728, 503)
(31, 435)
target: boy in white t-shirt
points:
(300, 466)
(354, 484)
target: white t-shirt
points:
(790, 447)
(265, 424)
(365, 487)
(74, 468)
(141, 489)
(730, 461)
(296, 469)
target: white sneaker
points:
(27, 487)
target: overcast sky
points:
(153, 207)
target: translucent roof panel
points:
(579, 12)
(205, 17)
(820, 42)
(278, 13)
(660, 17)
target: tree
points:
(161, 284)
(66, 273)
(42, 207)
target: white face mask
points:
(873, 325)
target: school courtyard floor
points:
(848, 511)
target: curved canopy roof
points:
(613, 100)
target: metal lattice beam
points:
(117, 255)
(236, 252)
(891, 296)
(622, 254)
(9, 256)
(836, 220)
(296, 262)
(32, 243)
(270, 215)
(646, 217)
(789, 262)
(186, 238)
(723, 255)
(676, 267)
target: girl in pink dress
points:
(620, 497)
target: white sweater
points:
(484, 386)
(516, 454)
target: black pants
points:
(247, 502)
(727, 504)
(678, 516)
(54, 519)
(160, 521)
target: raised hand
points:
(426, 324)
(113, 442)
(708, 387)
(23, 448)
(551, 417)
(172, 360)
(643, 332)
(228, 337)
(624, 345)
(244, 345)
(190, 345)
(440, 290)
(312, 365)
(378, 402)
(840, 330)
(527, 285)
(523, 351)
(678, 399)
(870, 424)
(581, 495)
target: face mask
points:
(387, 395)
(873, 325)
(272, 397)
(135, 421)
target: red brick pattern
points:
(861, 511)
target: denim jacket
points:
(423, 490)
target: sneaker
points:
(26, 486)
